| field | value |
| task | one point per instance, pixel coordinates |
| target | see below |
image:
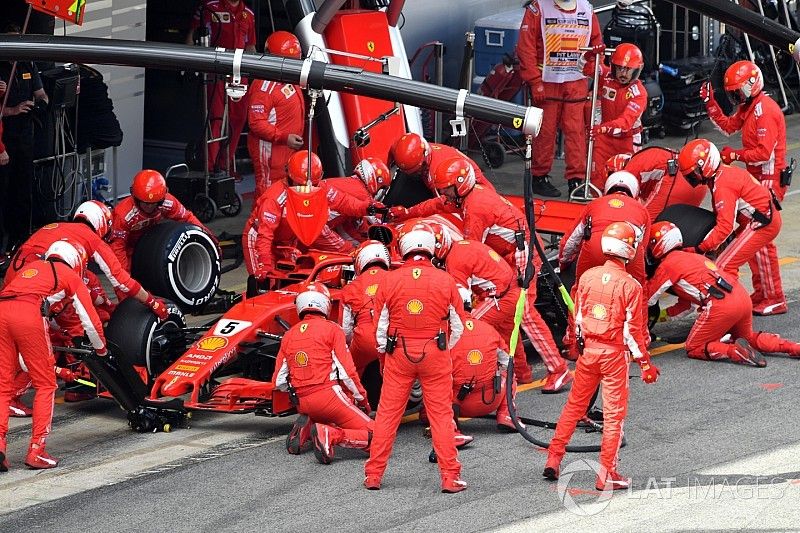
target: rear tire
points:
(178, 261)
(694, 222)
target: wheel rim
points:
(194, 267)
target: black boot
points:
(575, 184)
(542, 187)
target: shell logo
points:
(416, 273)
(372, 289)
(301, 358)
(212, 344)
(710, 265)
(303, 327)
(414, 307)
(469, 324)
(616, 203)
(599, 311)
(474, 357)
(29, 273)
(495, 256)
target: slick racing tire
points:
(694, 222)
(178, 261)
(132, 330)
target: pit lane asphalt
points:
(725, 433)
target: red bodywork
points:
(365, 33)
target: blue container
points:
(495, 36)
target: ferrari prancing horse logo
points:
(416, 273)
(371, 46)
(303, 327)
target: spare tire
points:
(178, 261)
(694, 222)
(131, 330)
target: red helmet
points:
(411, 152)
(149, 187)
(664, 237)
(444, 240)
(374, 173)
(283, 43)
(619, 240)
(457, 172)
(743, 80)
(297, 168)
(627, 55)
(698, 161)
(616, 163)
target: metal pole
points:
(438, 54)
(307, 73)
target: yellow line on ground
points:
(793, 146)
(787, 260)
(666, 348)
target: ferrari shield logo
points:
(710, 265)
(416, 273)
(605, 279)
(469, 325)
(371, 46)
(517, 122)
(303, 328)
(305, 203)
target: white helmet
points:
(566, 5)
(625, 180)
(664, 237)
(97, 215)
(419, 238)
(620, 240)
(316, 297)
(73, 254)
(371, 252)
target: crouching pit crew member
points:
(313, 364)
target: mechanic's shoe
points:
(744, 354)
(768, 309)
(612, 481)
(324, 438)
(557, 381)
(462, 440)
(541, 185)
(372, 482)
(552, 467)
(299, 438)
(451, 485)
(72, 396)
(17, 409)
(506, 425)
(39, 459)
(573, 184)
(4, 466)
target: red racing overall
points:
(689, 275)
(415, 305)
(610, 320)
(315, 362)
(358, 323)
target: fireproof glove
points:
(398, 213)
(157, 306)
(729, 155)
(102, 352)
(374, 207)
(599, 129)
(706, 92)
(66, 374)
(537, 93)
(650, 372)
